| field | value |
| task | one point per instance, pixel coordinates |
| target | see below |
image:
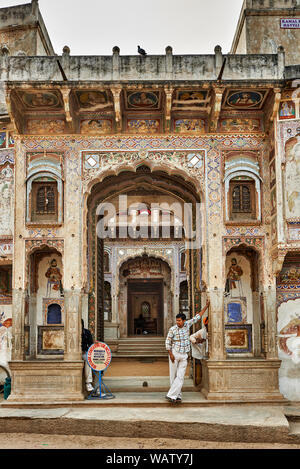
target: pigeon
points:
(141, 51)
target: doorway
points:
(145, 307)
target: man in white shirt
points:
(178, 345)
(199, 342)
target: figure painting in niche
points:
(194, 99)
(2, 139)
(93, 100)
(143, 126)
(287, 110)
(36, 100)
(293, 179)
(240, 125)
(189, 125)
(96, 126)
(143, 100)
(234, 276)
(54, 277)
(245, 99)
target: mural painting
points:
(287, 110)
(93, 100)
(6, 200)
(246, 99)
(189, 125)
(292, 179)
(96, 126)
(142, 126)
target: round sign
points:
(99, 356)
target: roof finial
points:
(35, 7)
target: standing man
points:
(178, 346)
(199, 342)
(86, 342)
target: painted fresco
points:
(287, 110)
(245, 99)
(143, 100)
(144, 126)
(238, 339)
(191, 98)
(189, 125)
(46, 126)
(2, 139)
(288, 330)
(6, 200)
(51, 340)
(93, 100)
(292, 179)
(40, 100)
(240, 125)
(96, 126)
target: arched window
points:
(54, 314)
(242, 184)
(146, 309)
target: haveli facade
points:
(217, 133)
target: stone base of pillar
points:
(44, 381)
(253, 380)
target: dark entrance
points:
(145, 307)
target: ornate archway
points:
(138, 180)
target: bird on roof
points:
(141, 51)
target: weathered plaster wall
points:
(289, 349)
(265, 36)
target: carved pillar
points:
(18, 334)
(73, 304)
(271, 326)
(216, 325)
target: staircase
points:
(141, 347)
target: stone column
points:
(270, 319)
(18, 334)
(19, 263)
(73, 305)
(216, 325)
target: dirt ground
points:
(34, 441)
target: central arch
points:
(140, 184)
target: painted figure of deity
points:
(54, 277)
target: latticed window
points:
(45, 200)
(241, 199)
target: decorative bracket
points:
(216, 109)
(116, 92)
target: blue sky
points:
(94, 27)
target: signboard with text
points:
(290, 23)
(99, 356)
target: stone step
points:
(140, 347)
(144, 384)
(295, 429)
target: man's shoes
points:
(179, 399)
(89, 387)
(172, 401)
